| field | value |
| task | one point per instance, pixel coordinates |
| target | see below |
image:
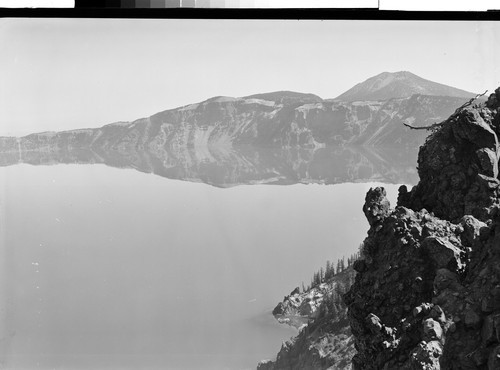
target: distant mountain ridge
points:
(284, 97)
(274, 120)
(401, 84)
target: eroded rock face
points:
(458, 166)
(376, 206)
(428, 293)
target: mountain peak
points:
(402, 84)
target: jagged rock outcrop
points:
(427, 291)
(458, 167)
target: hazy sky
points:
(58, 74)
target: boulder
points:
(470, 127)
(445, 279)
(472, 319)
(373, 323)
(376, 206)
(442, 252)
(432, 330)
(426, 356)
(488, 161)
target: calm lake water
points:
(105, 268)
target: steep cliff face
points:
(286, 122)
(218, 124)
(421, 110)
(427, 291)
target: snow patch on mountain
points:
(268, 103)
(189, 107)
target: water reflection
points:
(104, 268)
(223, 167)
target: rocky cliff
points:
(274, 120)
(427, 289)
(299, 308)
(324, 340)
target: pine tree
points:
(334, 309)
(342, 264)
(316, 279)
(326, 310)
(361, 249)
(328, 272)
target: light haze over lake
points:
(113, 268)
(121, 264)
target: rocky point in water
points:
(427, 290)
(324, 340)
